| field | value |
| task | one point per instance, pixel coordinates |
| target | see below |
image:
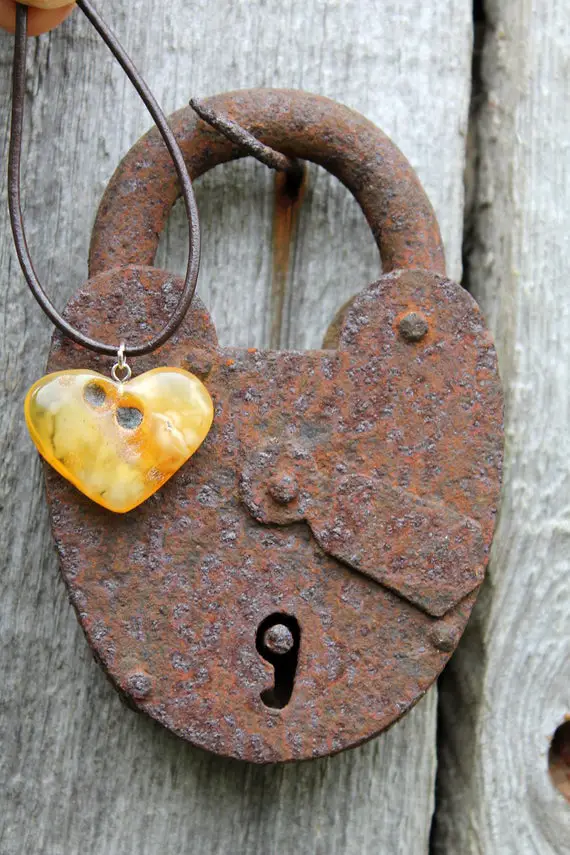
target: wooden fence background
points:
(79, 773)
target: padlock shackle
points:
(139, 198)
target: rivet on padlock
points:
(413, 327)
(301, 585)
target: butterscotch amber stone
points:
(118, 442)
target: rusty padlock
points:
(299, 585)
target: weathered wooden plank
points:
(78, 772)
(508, 687)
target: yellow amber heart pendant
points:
(118, 442)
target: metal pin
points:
(246, 140)
(278, 639)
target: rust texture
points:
(290, 189)
(347, 495)
(136, 206)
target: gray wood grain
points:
(78, 772)
(508, 687)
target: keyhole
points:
(277, 641)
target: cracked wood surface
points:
(507, 688)
(78, 771)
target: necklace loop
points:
(14, 201)
(121, 372)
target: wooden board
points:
(508, 687)
(78, 771)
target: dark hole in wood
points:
(129, 417)
(95, 395)
(559, 759)
(285, 664)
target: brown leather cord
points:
(14, 201)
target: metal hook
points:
(246, 140)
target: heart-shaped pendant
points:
(118, 442)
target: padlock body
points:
(389, 450)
